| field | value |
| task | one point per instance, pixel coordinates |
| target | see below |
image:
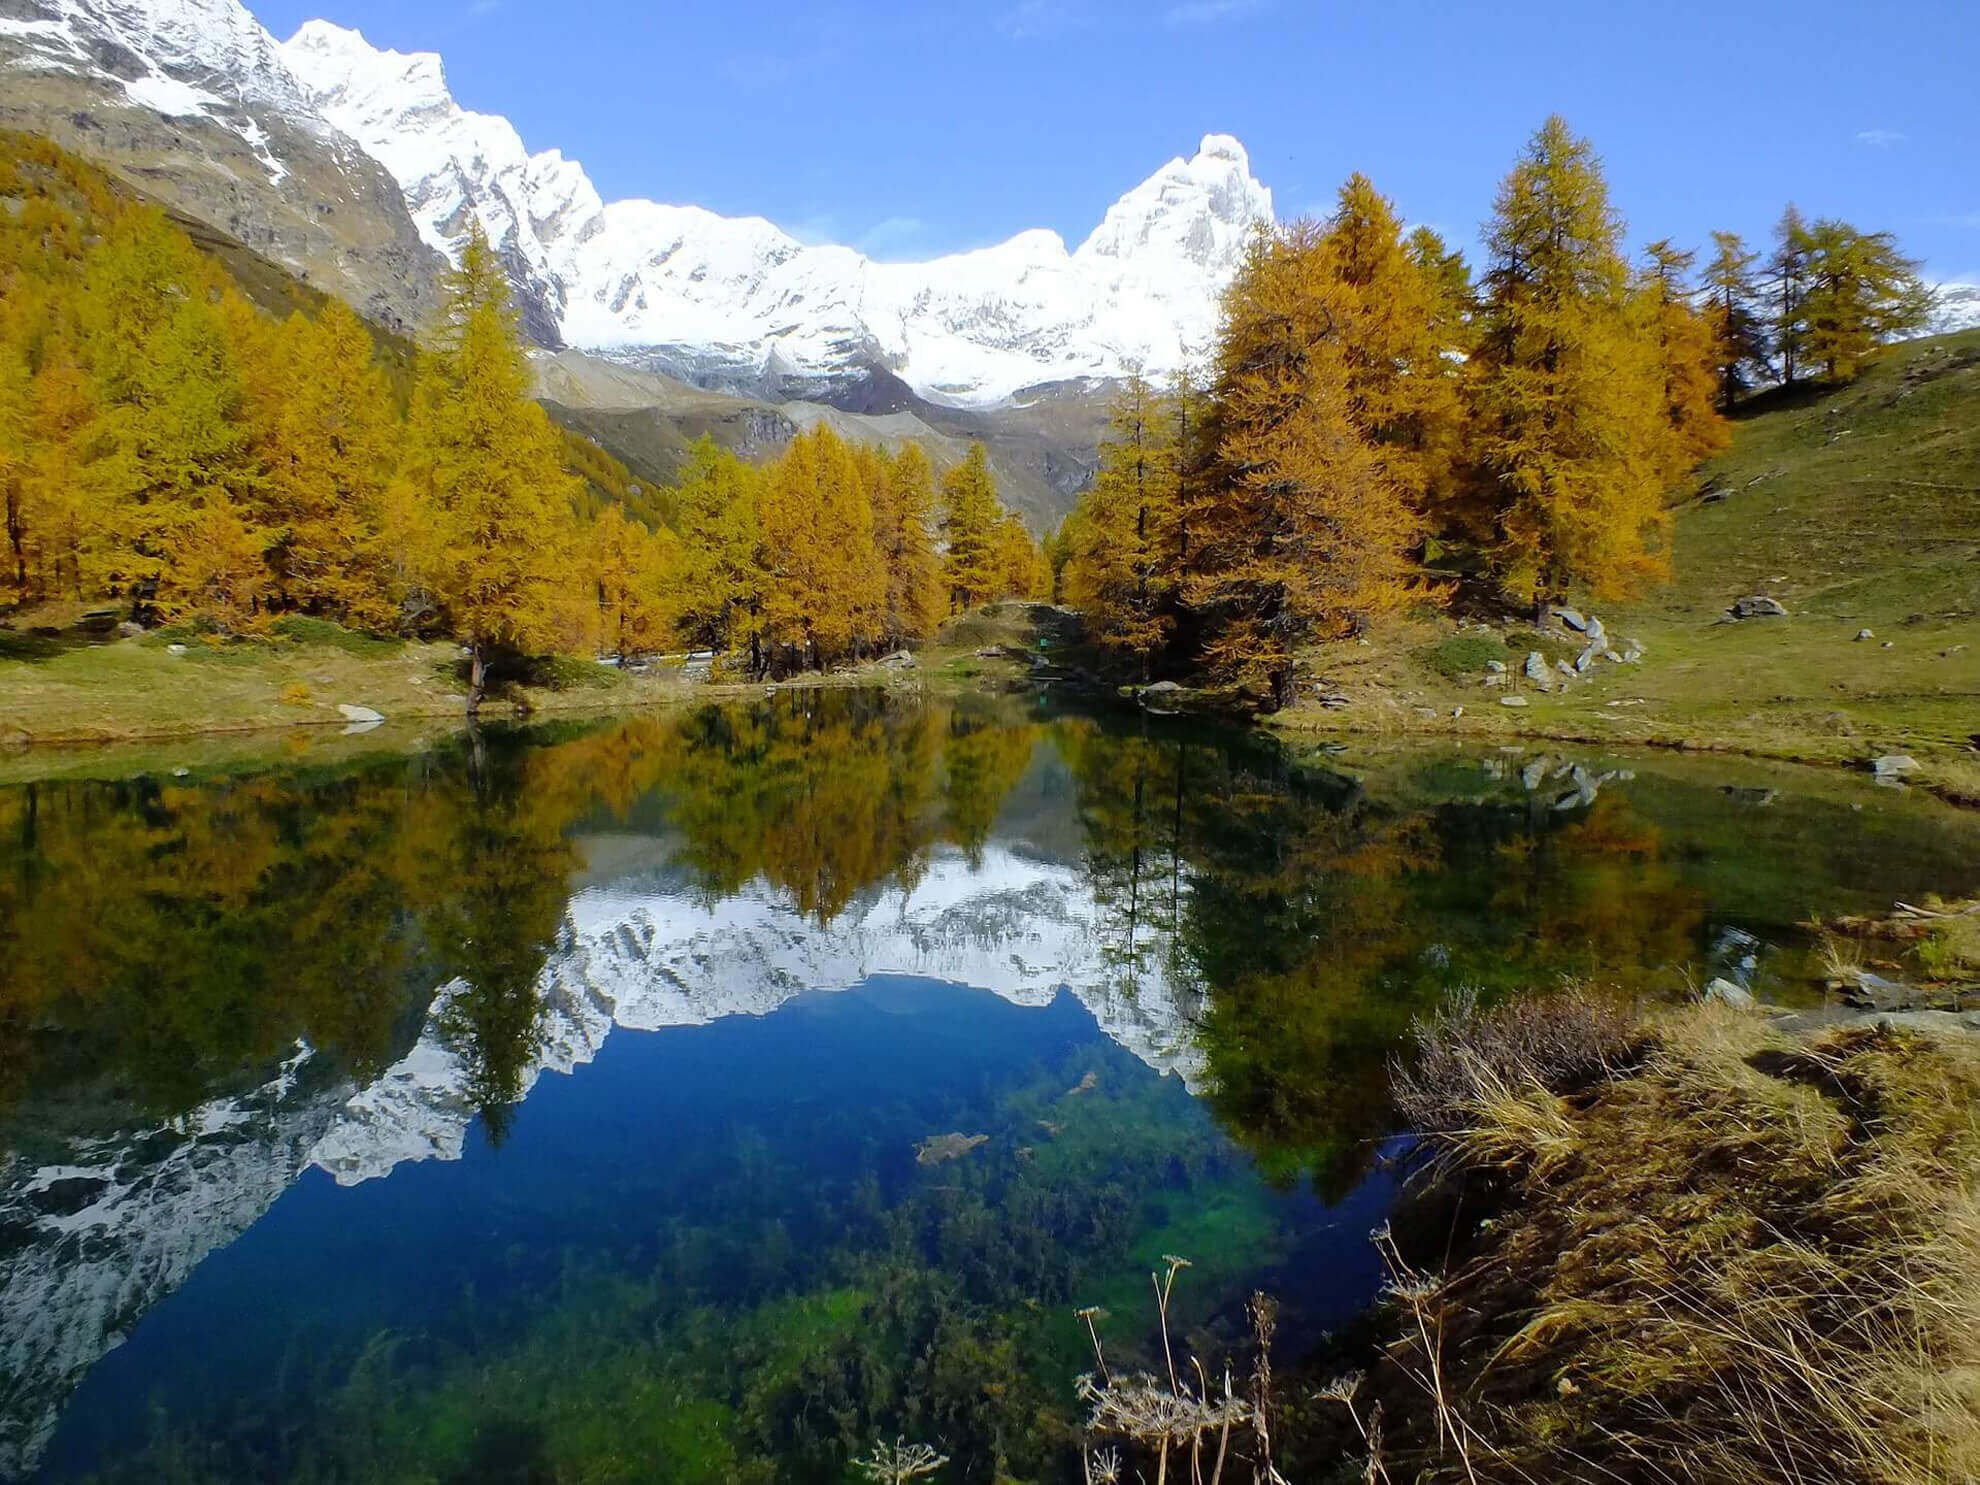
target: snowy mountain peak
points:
(1200, 211)
(736, 303)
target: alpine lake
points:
(709, 1095)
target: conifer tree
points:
(722, 580)
(1447, 279)
(59, 416)
(1685, 354)
(16, 401)
(823, 587)
(1788, 272)
(1739, 331)
(1404, 393)
(1569, 402)
(637, 573)
(487, 474)
(1123, 552)
(1300, 534)
(969, 524)
(1861, 293)
(906, 550)
(333, 450)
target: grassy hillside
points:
(1856, 508)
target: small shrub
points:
(296, 694)
(1461, 654)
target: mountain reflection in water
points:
(234, 1005)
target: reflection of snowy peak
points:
(89, 1244)
(1019, 928)
(735, 301)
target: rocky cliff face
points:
(737, 304)
(90, 1242)
(192, 102)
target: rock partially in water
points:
(359, 713)
(938, 1149)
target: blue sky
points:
(909, 129)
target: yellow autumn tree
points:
(823, 585)
(722, 578)
(1123, 564)
(334, 448)
(1405, 391)
(1299, 534)
(969, 526)
(486, 474)
(636, 573)
(903, 499)
(1684, 349)
(1570, 407)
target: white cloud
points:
(895, 235)
(1209, 12)
(1029, 20)
(1880, 139)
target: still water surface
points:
(706, 1096)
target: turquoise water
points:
(710, 1096)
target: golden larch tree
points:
(969, 526)
(486, 471)
(1300, 534)
(1570, 406)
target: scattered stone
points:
(1496, 678)
(1893, 765)
(1586, 659)
(1565, 669)
(175, 649)
(1725, 992)
(1573, 618)
(359, 713)
(1456, 712)
(1597, 635)
(1533, 775)
(1863, 634)
(940, 1148)
(1633, 652)
(130, 630)
(1161, 688)
(1538, 672)
(1495, 667)
(418, 680)
(182, 773)
(1758, 606)
(899, 660)
(1890, 644)
(1512, 701)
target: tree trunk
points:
(477, 679)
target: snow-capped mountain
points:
(194, 102)
(736, 302)
(1956, 306)
(89, 1243)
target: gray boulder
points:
(1512, 701)
(1893, 765)
(1586, 659)
(130, 630)
(1573, 618)
(359, 713)
(1758, 606)
(1725, 992)
(1538, 672)
(1863, 634)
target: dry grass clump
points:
(1467, 1060)
(1738, 1258)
